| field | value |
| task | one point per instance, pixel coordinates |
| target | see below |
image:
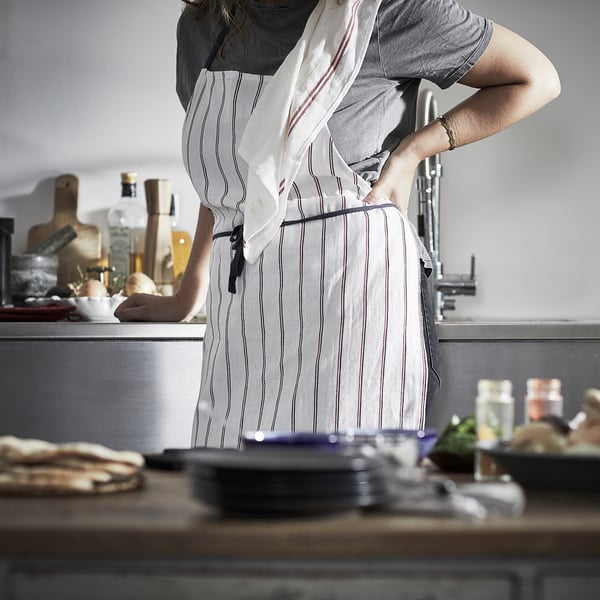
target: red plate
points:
(50, 312)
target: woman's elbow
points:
(548, 83)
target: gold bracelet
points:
(449, 132)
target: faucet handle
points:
(454, 285)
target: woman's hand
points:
(147, 307)
(191, 293)
(396, 178)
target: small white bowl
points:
(89, 308)
(95, 308)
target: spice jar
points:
(494, 422)
(543, 397)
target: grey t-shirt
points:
(434, 40)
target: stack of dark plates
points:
(285, 482)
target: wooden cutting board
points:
(86, 249)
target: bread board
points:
(83, 251)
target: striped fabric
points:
(324, 331)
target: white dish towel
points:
(295, 105)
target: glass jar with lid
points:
(494, 422)
(544, 397)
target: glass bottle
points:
(126, 229)
(543, 397)
(182, 243)
(494, 421)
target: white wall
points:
(88, 88)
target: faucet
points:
(444, 288)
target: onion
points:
(92, 287)
(139, 283)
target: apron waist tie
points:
(236, 237)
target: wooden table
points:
(161, 534)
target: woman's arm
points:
(190, 295)
(514, 79)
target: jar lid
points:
(536, 384)
(501, 386)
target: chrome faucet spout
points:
(429, 173)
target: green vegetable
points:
(458, 437)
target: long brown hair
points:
(225, 8)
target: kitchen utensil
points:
(158, 251)
(32, 275)
(85, 249)
(55, 242)
(7, 228)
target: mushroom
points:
(539, 437)
(588, 430)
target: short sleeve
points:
(436, 40)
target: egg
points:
(139, 283)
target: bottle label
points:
(120, 250)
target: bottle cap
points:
(129, 177)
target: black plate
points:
(559, 472)
(280, 460)
(290, 487)
(174, 459)
(283, 505)
(286, 481)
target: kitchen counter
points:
(518, 330)
(161, 532)
(125, 385)
(84, 330)
(447, 330)
(135, 385)
(165, 520)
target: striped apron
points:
(324, 331)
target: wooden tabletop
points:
(164, 520)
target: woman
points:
(299, 141)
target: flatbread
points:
(31, 467)
(31, 451)
(10, 487)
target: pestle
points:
(55, 242)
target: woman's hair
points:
(225, 8)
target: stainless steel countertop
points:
(447, 330)
(518, 330)
(108, 331)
